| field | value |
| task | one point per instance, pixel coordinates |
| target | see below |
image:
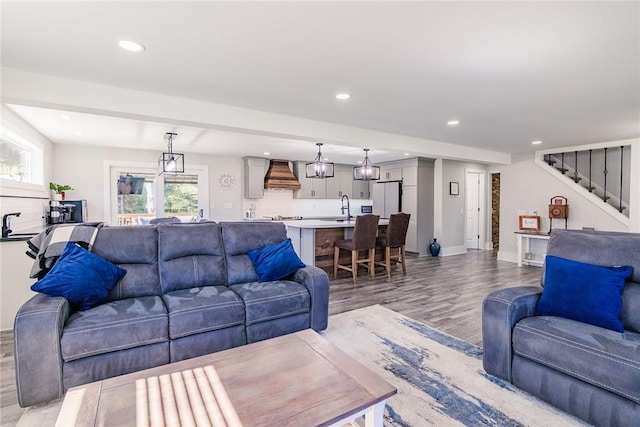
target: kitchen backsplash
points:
(282, 203)
(32, 211)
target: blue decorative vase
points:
(434, 248)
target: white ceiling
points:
(566, 73)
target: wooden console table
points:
(525, 255)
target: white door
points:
(472, 200)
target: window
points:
(20, 160)
(139, 194)
(136, 198)
(181, 197)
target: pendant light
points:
(319, 168)
(170, 162)
(367, 171)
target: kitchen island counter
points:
(326, 223)
(313, 239)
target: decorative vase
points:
(434, 248)
(56, 196)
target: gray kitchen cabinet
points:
(410, 175)
(254, 170)
(310, 188)
(361, 189)
(342, 182)
(390, 173)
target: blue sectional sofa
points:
(588, 371)
(189, 290)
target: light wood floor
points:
(445, 293)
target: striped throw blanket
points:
(46, 247)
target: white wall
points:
(525, 186)
(14, 264)
(83, 168)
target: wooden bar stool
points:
(395, 239)
(363, 239)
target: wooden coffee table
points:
(299, 379)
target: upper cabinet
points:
(390, 173)
(361, 189)
(254, 170)
(311, 188)
(342, 182)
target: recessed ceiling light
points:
(131, 46)
(407, 154)
(343, 96)
(266, 153)
(65, 117)
(79, 132)
(536, 142)
(453, 122)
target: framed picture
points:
(454, 188)
(529, 222)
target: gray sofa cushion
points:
(136, 250)
(595, 247)
(190, 255)
(197, 310)
(272, 300)
(113, 326)
(95, 368)
(241, 237)
(596, 355)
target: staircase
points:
(601, 173)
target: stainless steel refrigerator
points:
(387, 198)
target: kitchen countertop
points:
(23, 235)
(326, 223)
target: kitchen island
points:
(313, 239)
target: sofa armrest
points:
(501, 310)
(36, 332)
(316, 281)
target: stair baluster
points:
(620, 207)
(591, 187)
(576, 178)
(604, 172)
(563, 170)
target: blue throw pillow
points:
(276, 261)
(83, 278)
(584, 292)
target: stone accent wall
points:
(495, 210)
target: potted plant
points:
(58, 190)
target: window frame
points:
(36, 161)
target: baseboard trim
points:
(507, 256)
(455, 250)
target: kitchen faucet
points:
(6, 223)
(348, 207)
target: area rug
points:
(440, 379)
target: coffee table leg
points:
(375, 415)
